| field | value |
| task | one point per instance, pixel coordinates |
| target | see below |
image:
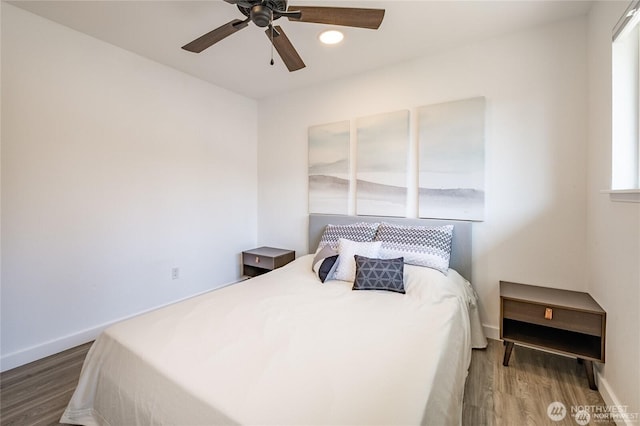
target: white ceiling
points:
(240, 63)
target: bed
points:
(286, 349)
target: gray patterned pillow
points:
(428, 246)
(359, 232)
(379, 274)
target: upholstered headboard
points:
(460, 246)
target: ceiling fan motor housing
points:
(261, 15)
(261, 12)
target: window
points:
(625, 176)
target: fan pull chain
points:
(272, 46)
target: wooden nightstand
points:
(264, 259)
(563, 321)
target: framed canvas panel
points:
(451, 160)
(381, 164)
(329, 168)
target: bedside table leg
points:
(588, 366)
(507, 353)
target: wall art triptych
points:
(450, 158)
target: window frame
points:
(625, 66)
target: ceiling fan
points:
(264, 12)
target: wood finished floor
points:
(520, 393)
(37, 393)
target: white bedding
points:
(285, 349)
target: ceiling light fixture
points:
(331, 37)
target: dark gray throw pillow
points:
(327, 267)
(379, 274)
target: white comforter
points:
(285, 349)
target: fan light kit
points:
(263, 12)
(331, 37)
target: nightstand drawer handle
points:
(257, 259)
(548, 313)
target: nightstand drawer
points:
(550, 316)
(259, 261)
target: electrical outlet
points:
(175, 273)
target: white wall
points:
(535, 84)
(114, 170)
(613, 264)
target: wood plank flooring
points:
(37, 393)
(520, 393)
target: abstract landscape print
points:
(329, 168)
(451, 160)
(381, 170)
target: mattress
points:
(286, 349)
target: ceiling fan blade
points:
(285, 49)
(346, 16)
(212, 37)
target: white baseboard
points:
(610, 398)
(491, 332)
(36, 352)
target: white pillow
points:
(346, 269)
